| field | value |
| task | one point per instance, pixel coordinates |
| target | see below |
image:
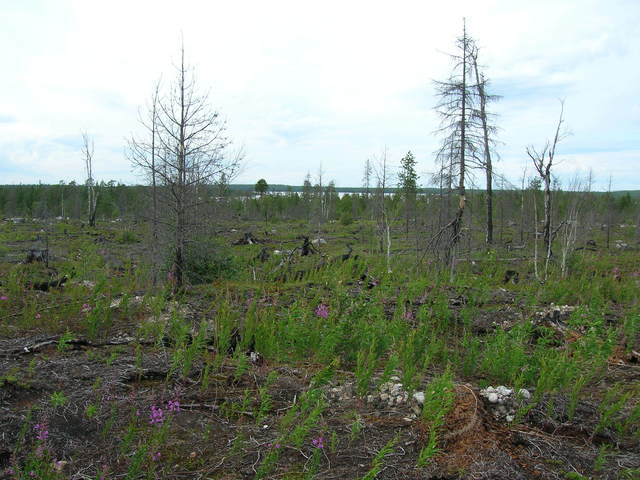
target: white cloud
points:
(303, 83)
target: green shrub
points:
(126, 237)
(346, 219)
(206, 261)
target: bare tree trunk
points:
(456, 226)
(487, 151)
(543, 162)
(535, 237)
(522, 221)
(154, 192)
(92, 198)
(546, 227)
(181, 185)
(609, 213)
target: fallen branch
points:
(78, 342)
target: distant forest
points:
(316, 204)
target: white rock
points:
(509, 418)
(399, 400)
(492, 397)
(504, 391)
(524, 393)
(396, 389)
(370, 398)
(384, 397)
(394, 378)
(418, 397)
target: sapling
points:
(438, 401)
(365, 366)
(58, 399)
(378, 461)
(264, 397)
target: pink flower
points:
(156, 456)
(38, 315)
(322, 311)
(42, 433)
(173, 406)
(4, 298)
(318, 442)
(156, 417)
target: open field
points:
(313, 367)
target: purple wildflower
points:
(322, 311)
(157, 416)
(173, 406)
(103, 473)
(86, 308)
(38, 315)
(4, 298)
(408, 315)
(42, 432)
(156, 456)
(318, 442)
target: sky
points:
(319, 86)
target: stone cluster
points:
(503, 401)
(391, 393)
(555, 313)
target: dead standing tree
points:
(382, 174)
(543, 161)
(191, 154)
(143, 154)
(488, 132)
(92, 195)
(461, 144)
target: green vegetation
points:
(236, 372)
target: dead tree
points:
(461, 143)
(543, 161)
(143, 154)
(568, 228)
(190, 147)
(488, 132)
(92, 196)
(381, 171)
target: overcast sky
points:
(304, 84)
